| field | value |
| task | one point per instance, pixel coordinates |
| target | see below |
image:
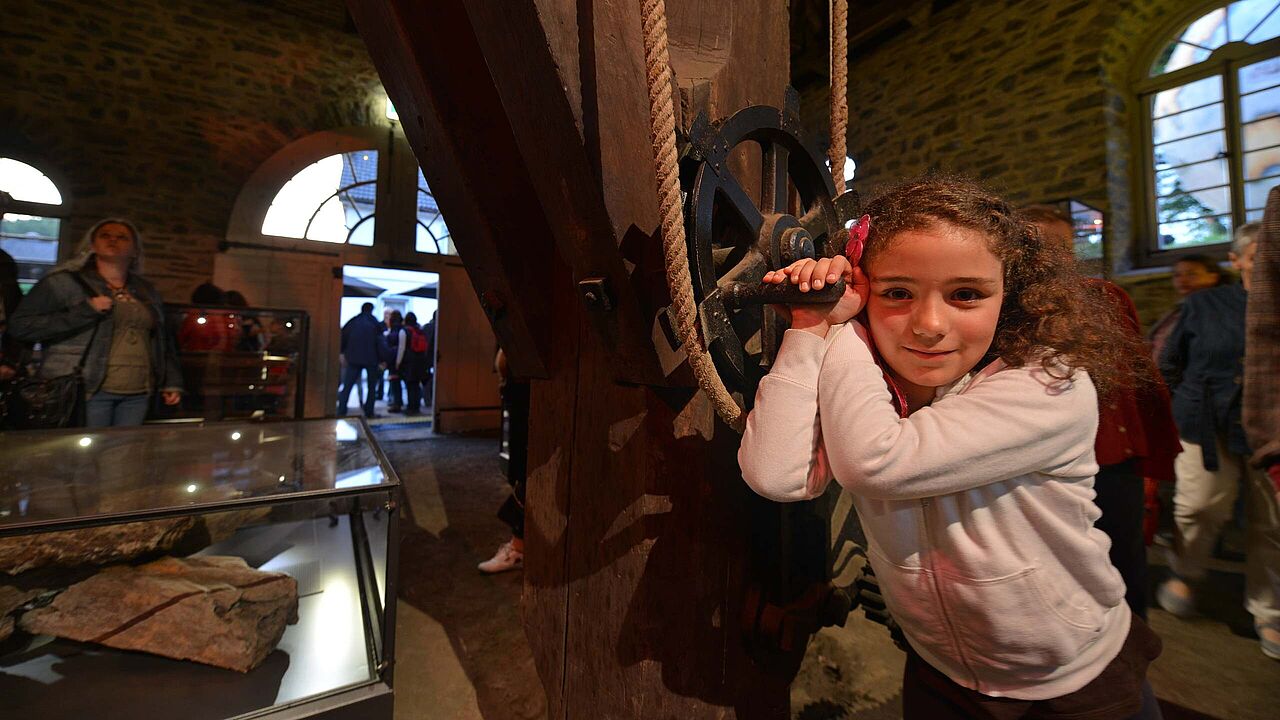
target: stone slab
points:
(213, 610)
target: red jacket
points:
(1136, 424)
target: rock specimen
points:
(10, 599)
(120, 543)
(93, 546)
(214, 610)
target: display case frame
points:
(375, 578)
(211, 370)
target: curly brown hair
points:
(1050, 312)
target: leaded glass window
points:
(333, 200)
(1212, 106)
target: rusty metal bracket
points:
(596, 293)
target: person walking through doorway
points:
(364, 348)
(397, 341)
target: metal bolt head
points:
(797, 244)
(595, 293)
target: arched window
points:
(1211, 103)
(433, 234)
(31, 209)
(332, 200)
(347, 186)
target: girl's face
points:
(112, 241)
(935, 301)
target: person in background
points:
(364, 348)
(515, 403)
(208, 330)
(414, 367)
(397, 341)
(251, 330)
(97, 306)
(1203, 362)
(13, 353)
(282, 338)
(1190, 274)
(208, 294)
(1137, 439)
(1261, 411)
(386, 325)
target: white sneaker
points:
(507, 558)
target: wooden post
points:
(531, 121)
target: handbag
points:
(33, 403)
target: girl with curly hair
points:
(953, 391)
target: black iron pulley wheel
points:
(734, 240)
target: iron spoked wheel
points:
(734, 240)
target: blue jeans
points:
(351, 376)
(106, 409)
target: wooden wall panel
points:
(466, 393)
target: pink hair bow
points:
(857, 239)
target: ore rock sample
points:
(121, 543)
(93, 546)
(214, 610)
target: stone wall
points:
(1028, 95)
(159, 110)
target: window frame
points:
(1225, 61)
(394, 216)
(418, 191)
(380, 173)
(61, 212)
(27, 207)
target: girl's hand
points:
(816, 274)
(171, 397)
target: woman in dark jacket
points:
(1191, 274)
(1203, 364)
(98, 307)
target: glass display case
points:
(239, 362)
(315, 500)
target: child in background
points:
(976, 490)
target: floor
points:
(381, 415)
(462, 655)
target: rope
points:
(836, 152)
(662, 134)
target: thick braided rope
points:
(662, 134)
(839, 90)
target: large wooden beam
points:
(454, 121)
(637, 527)
(500, 147)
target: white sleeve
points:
(400, 346)
(781, 453)
(1011, 423)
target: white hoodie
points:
(978, 509)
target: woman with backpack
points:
(413, 369)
